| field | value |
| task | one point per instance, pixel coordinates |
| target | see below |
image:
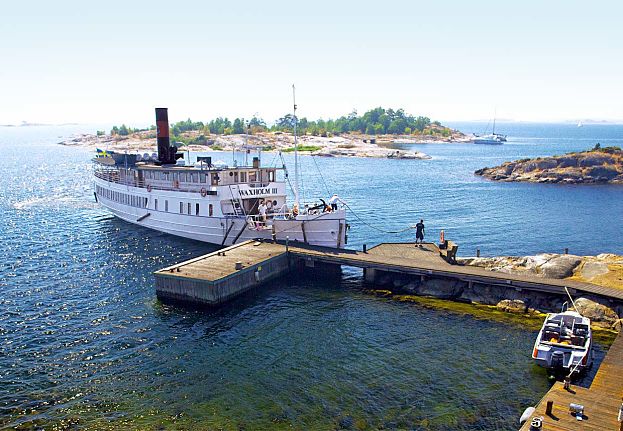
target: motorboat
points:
(564, 343)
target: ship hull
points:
(180, 219)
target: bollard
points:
(287, 242)
(477, 252)
(566, 250)
(365, 248)
(567, 383)
(549, 408)
(238, 265)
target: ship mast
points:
(296, 153)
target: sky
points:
(114, 61)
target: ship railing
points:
(114, 177)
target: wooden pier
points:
(214, 278)
(601, 401)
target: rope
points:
(587, 350)
(285, 169)
(321, 176)
(394, 232)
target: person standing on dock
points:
(419, 232)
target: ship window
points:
(145, 202)
(176, 176)
(196, 209)
(252, 177)
(235, 177)
(166, 206)
(243, 177)
(271, 176)
(181, 207)
(156, 204)
(210, 209)
(215, 179)
(202, 178)
(191, 177)
(182, 176)
(189, 208)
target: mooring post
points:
(365, 248)
(477, 252)
(287, 243)
(549, 408)
(566, 250)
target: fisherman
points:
(262, 210)
(419, 232)
(333, 200)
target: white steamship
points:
(210, 202)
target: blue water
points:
(498, 218)
(85, 344)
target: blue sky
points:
(114, 61)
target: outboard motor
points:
(558, 358)
(167, 154)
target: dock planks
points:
(221, 264)
(425, 260)
(601, 401)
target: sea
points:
(85, 344)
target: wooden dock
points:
(406, 258)
(214, 278)
(601, 401)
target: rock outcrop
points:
(603, 269)
(599, 166)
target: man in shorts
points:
(419, 232)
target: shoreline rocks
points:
(346, 145)
(604, 312)
(603, 269)
(597, 166)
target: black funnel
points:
(166, 153)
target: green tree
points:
(238, 127)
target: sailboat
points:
(490, 139)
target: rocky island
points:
(345, 145)
(378, 133)
(598, 166)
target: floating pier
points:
(217, 277)
(601, 402)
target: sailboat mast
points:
(296, 153)
(495, 113)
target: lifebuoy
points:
(149, 188)
(203, 192)
(176, 184)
